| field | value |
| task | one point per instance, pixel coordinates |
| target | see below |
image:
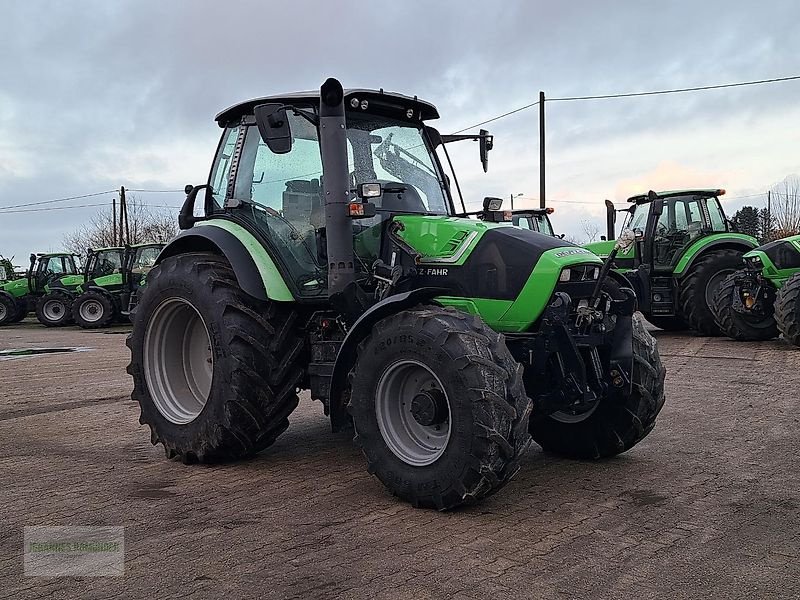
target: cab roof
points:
(707, 193)
(379, 101)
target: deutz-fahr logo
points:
(435, 271)
(572, 251)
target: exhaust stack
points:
(611, 219)
(336, 186)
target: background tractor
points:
(110, 290)
(685, 248)
(331, 256)
(535, 219)
(6, 270)
(19, 296)
(763, 300)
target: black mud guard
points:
(220, 241)
(345, 359)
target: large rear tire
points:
(215, 371)
(54, 309)
(698, 286)
(787, 309)
(613, 426)
(93, 309)
(737, 325)
(439, 407)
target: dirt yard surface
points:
(708, 506)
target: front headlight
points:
(755, 262)
(565, 275)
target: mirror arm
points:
(186, 218)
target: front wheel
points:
(738, 325)
(215, 371)
(93, 309)
(439, 407)
(8, 309)
(787, 309)
(54, 309)
(611, 426)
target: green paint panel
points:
(448, 240)
(777, 276)
(490, 311)
(17, 287)
(604, 248)
(273, 282)
(701, 244)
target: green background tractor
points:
(685, 248)
(535, 219)
(31, 292)
(763, 300)
(332, 257)
(111, 286)
(6, 270)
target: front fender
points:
(346, 357)
(255, 270)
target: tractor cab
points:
(48, 268)
(102, 262)
(6, 270)
(534, 219)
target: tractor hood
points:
(16, 287)
(67, 282)
(778, 259)
(490, 262)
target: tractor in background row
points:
(685, 249)
(332, 256)
(19, 296)
(110, 293)
(6, 270)
(762, 300)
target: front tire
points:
(8, 309)
(93, 309)
(612, 427)
(737, 325)
(698, 286)
(54, 309)
(787, 309)
(439, 407)
(215, 371)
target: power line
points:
(30, 210)
(58, 200)
(635, 94)
(155, 191)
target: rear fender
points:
(256, 272)
(731, 241)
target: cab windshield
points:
(281, 194)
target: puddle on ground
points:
(26, 352)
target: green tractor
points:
(111, 287)
(685, 248)
(32, 292)
(762, 300)
(535, 219)
(331, 257)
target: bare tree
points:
(785, 209)
(145, 223)
(590, 230)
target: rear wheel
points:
(668, 323)
(698, 286)
(54, 309)
(439, 407)
(610, 427)
(93, 309)
(787, 309)
(738, 325)
(215, 371)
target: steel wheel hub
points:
(413, 412)
(53, 310)
(178, 362)
(91, 311)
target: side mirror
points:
(487, 143)
(273, 125)
(658, 206)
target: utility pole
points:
(542, 203)
(768, 233)
(114, 221)
(124, 231)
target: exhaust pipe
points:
(611, 219)
(336, 186)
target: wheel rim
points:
(3, 312)
(178, 363)
(53, 310)
(563, 416)
(713, 285)
(91, 311)
(397, 413)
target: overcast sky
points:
(94, 95)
